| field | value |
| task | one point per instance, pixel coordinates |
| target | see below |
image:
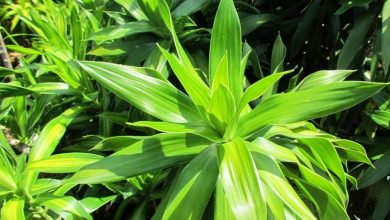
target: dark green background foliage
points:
(194, 109)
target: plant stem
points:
(4, 53)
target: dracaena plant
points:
(139, 26)
(251, 162)
(26, 195)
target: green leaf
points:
(6, 72)
(354, 42)
(386, 35)
(153, 153)
(133, 8)
(275, 204)
(277, 60)
(20, 114)
(326, 153)
(373, 174)
(188, 7)
(120, 31)
(221, 109)
(141, 46)
(13, 209)
(240, 181)
(266, 147)
(198, 128)
(23, 50)
(44, 185)
(222, 208)
(6, 179)
(91, 204)
(258, 88)
(304, 27)
(278, 55)
(328, 207)
(307, 104)
(270, 173)
(320, 182)
(9, 90)
(157, 11)
(55, 88)
(221, 77)
(7, 147)
(351, 151)
(322, 77)
(48, 140)
(64, 206)
(382, 208)
(348, 4)
(52, 133)
(156, 59)
(252, 22)
(196, 183)
(153, 96)
(382, 118)
(63, 163)
(192, 83)
(226, 38)
(116, 143)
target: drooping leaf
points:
(328, 207)
(272, 175)
(222, 209)
(199, 128)
(351, 151)
(196, 182)
(156, 152)
(240, 181)
(151, 95)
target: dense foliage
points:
(194, 109)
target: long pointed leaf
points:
(157, 152)
(240, 181)
(196, 182)
(307, 104)
(154, 96)
(226, 38)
